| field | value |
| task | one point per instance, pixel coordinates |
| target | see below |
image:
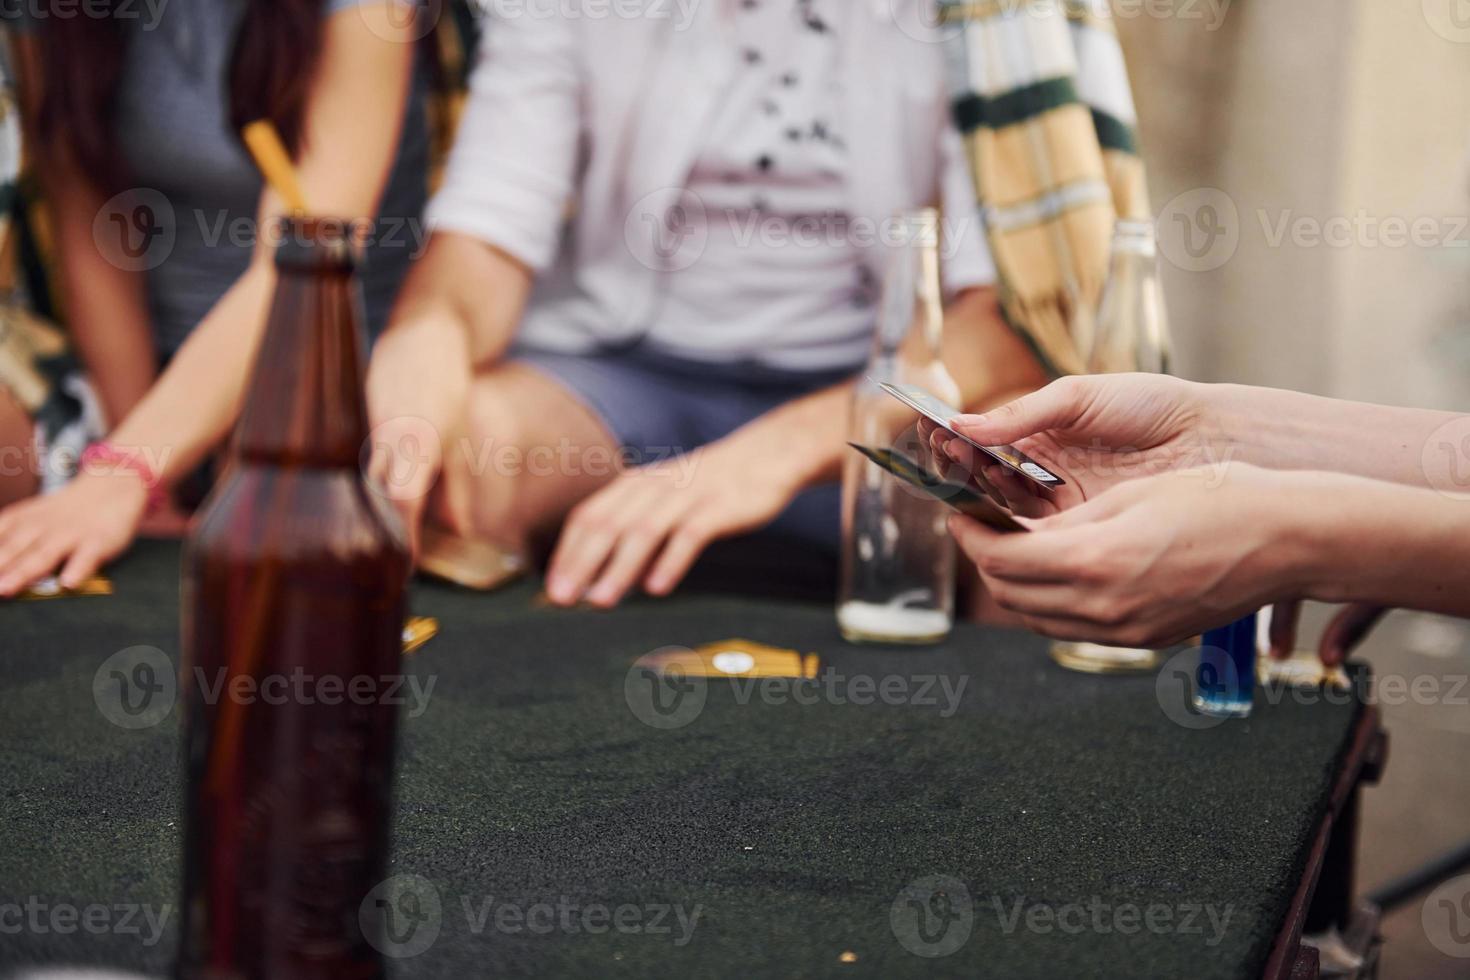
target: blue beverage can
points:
(1225, 680)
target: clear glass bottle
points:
(1131, 334)
(1132, 329)
(898, 560)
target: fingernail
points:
(560, 590)
(603, 595)
(960, 420)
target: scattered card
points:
(472, 564)
(417, 631)
(732, 658)
(51, 588)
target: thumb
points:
(1347, 630)
(1056, 406)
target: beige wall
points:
(1312, 116)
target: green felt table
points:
(1051, 803)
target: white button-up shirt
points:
(606, 110)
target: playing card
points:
(957, 495)
(938, 412)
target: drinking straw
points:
(274, 162)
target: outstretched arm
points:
(1156, 560)
(351, 130)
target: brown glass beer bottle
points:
(293, 602)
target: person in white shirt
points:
(652, 276)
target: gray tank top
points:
(174, 135)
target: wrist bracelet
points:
(105, 454)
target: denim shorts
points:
(657, 406)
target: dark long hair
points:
(271, 71)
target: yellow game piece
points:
(417, 631)
(50, 588)
(733, 658)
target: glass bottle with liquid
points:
(1130, 333)
(294, 580)
(898, 560)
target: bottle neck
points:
(911, 315)
(305, 405)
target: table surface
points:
(1069, 808)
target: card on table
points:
(962, 498)
(939, 412)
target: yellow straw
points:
(270, 156)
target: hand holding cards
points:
(938, 412)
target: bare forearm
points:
(804, 438)
(989, 362)
(467, 284)
(177, 424)
(1358, 540)
(458, 309)
(1277, 429)
(106, 310)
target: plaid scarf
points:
(1041, 97)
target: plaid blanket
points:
(1041, 96)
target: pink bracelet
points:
(130, 461)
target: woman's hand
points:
(1151, 561)
(77, 528)
(1095, 431)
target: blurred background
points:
(1310, 167)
